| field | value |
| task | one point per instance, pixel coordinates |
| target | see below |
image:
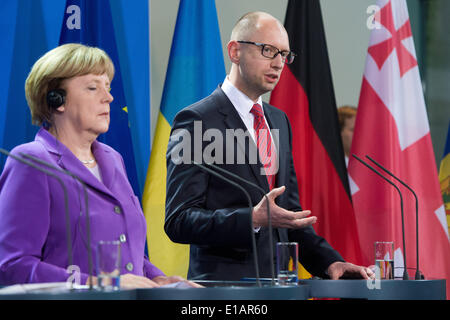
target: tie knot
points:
(257, 111)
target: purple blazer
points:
(32, 216)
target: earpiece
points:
(56, 98)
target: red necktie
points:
(266, 150)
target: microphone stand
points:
(66, 201)
(86, 203)
(405, 273)
(268, 212)
(419, 275)
(255, 254)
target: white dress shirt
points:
(243, 105)
(96, 172)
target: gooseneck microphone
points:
(86, 204)
(419, 275)
(269, 219)
(250, 206)
(66, 202)
(405, 273)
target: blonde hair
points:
(344, 113)
(63, 62)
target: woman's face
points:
(87, 103)
(347, 134)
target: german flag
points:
(305, 93)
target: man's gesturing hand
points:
(281, 218)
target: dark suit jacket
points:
(212, 215)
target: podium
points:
(226, 293)
(377, 289)
(227, 290)
(245, 291)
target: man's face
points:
(258, 74)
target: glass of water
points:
(287, 263)
(108, 265)
(384, 260)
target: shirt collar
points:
(241, 102)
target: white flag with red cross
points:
(392, 128)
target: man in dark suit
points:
(231, 128)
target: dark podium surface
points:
(226, 290)
(378, 289)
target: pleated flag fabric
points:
(392, 128)
(195, 69)
(305, 92)
(90, 23)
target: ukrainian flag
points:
(444, 177)
(195, 69)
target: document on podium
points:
(49, 287)
(178, 285)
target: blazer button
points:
(117, 210)
(123, 238)
(129, 266)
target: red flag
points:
(305, 92)
(392, 128)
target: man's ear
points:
(234, 51)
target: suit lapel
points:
(67, 160)
(106, 162)
(275, 121)
(232, 120)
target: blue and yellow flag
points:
(444, 177)
(90, 23)
(195, 69)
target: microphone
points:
(419, 275)
(255, 254)
(405, 273)
(66, 202)
(88, 226)
(269, 219)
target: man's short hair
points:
(247, 24)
